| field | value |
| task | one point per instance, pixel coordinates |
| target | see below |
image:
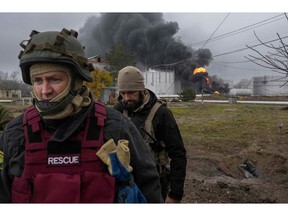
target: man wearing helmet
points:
(158, 128)
(52, 151)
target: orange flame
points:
(199, 70)
(204, 71)
(208, 81)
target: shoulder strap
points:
(32, 117)
(148, 122)
(100, 113)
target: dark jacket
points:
(5, 116)
(167, 131)
(116, 127)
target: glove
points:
(121, 150)
(103, 153)
(123, 154)
(117, 158)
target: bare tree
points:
(276, 58)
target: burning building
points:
(201, 81)
(148, 37)
(152, 41)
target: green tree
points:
(119, 57)
(187, 94)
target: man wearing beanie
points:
(158, 128)
(60, 149)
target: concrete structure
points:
(10, 94)
(270, 86)
(14, 97)
(98, 61)
(160, 82)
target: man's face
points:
(132, 99)
(48, 85)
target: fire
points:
(208, 81)
(204, 71)
(201, 74)
(199, 70)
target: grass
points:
(231, 126)
(226, 127)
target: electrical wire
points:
(243, 29)
(239, 50)
(238, 31)
(215, 30)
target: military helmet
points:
(54, 47)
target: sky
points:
(197, 24)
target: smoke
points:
(150, 38)
(217, 84)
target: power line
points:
(227, 66)
(215, 30)
(237, 62)
(233, 51)
(239, 50)
(243, 29)
(234, 32)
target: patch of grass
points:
(231, 126)
(226, 128)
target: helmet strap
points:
(50, 108)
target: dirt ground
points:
(254, 174)
(220, 179)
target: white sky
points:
(197, 21)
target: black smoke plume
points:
(149, 37)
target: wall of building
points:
(98, 62)
(10, 94)
(270, 86)
(160, 82)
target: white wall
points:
(270, 86)
(160, 82)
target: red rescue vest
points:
(73, 176)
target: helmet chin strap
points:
(50, 108)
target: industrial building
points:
(270, 86)
(160, 82)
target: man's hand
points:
(171, 200)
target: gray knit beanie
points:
(130, 79)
